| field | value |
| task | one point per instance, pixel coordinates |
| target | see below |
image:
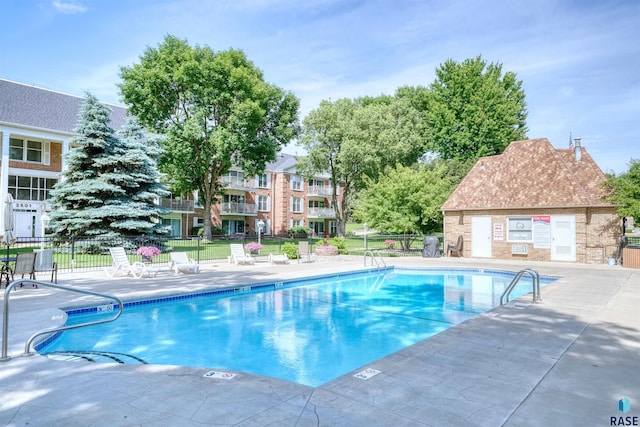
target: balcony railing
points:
(177, 205)
(236, 208)
(319, 190)
(238, 183)
(322, 213)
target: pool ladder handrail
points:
(5, 315)
(374, 259)
(535, 285)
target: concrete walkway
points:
(566, 361)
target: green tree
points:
(471, 109)
(214, 109)
(110, 184)
(407, 199)
(355, 140)
(626, 191)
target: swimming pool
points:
(308, 331)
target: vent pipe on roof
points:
(578, 149)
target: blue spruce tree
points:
(110, 184)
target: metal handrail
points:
(374, 259)
(5, 314)
(535, 285)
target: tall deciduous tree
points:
(356, 140)
(472, 109)
(626, 193)
(215, 110)
(407, 199)
(110, 184)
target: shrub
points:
(291, 250)
(300, 231)
(253, 246)
(339, 243)
(148, 251)
(199, 231)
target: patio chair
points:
(284, 259)
(122, 265)
(455, 248)
(238, 255)
(304, 251)
(180, 262)
(25, 265)
(45, 262)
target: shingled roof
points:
(31, 106)
(531, 174)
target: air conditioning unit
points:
(519, 249)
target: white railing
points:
(319, 190)
(238, 182)
(239, 208)
(322, 213)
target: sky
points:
(578, 60)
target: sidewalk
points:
(565, 361)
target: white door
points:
(481, 236)
(563, 238)
(25, 224)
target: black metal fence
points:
(92, 253)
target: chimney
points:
(578, 149)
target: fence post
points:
(199, 237)
(366, 243)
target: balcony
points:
(237, 183)
(174, 205)
(236, 208)
(319, 190)
(321, 213)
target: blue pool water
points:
(309, 333)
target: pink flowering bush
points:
(389, 243)
(253, 246)
(148, 251)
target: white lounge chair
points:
(239, 256)
(180, 262)
(284, 259)
(121, 265)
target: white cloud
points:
(69, 7)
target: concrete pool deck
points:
(567, 360)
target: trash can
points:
(631, 256)
(430, 247)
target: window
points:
(520, 229)
(263, 203)
(263, 181)
(30, 187)
(28, 150)
(296, 182)
(316, 203)
(333, 228)
(297, 223)
(296, 204)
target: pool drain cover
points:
(367, 373)
(219, 375)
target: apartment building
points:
(36, 127)
(280, 198)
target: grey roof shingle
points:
(31, 106)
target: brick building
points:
(534, 202)
(36, 127)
